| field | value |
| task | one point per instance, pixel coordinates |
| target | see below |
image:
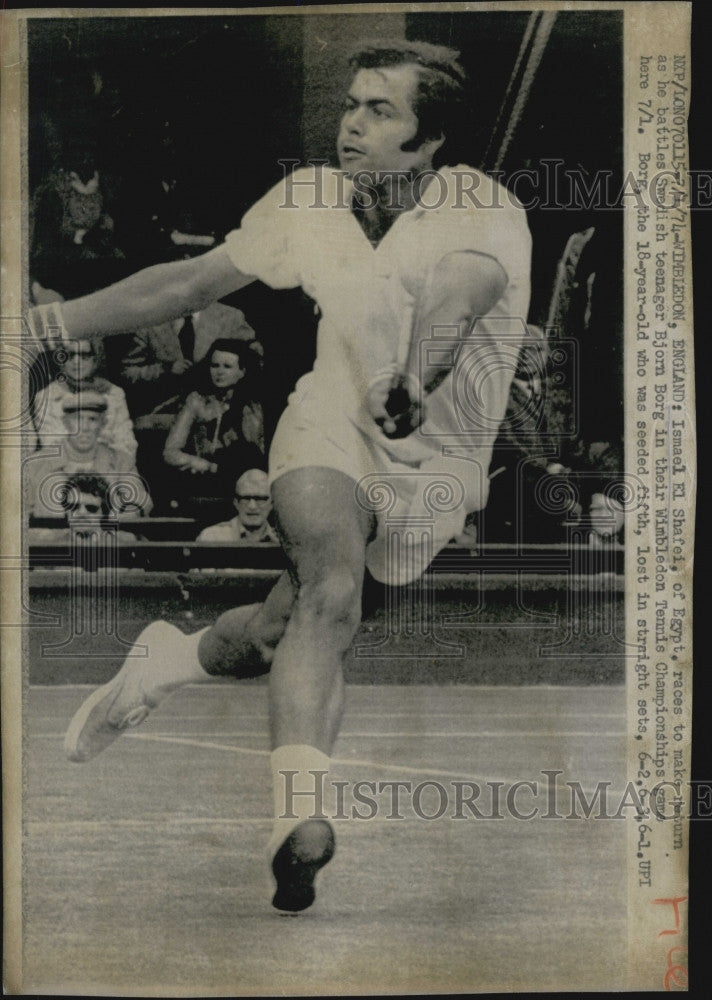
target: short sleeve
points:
(494, 224)
(266, 244)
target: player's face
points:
(378, 119)
(225, 370)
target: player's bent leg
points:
(324, 535)
(307, 664)
(163, 659)
(242, 641)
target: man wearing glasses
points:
(81, 450)
(253, 505)
(84, 497)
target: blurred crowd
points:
(163, 421)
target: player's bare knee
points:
(333, 601)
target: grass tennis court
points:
(544, 629)
(142, 866)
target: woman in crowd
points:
(219, 430)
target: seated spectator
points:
(219, 431)
(253, 505)
(606, 517)
(156, 366)
(551, 475)
(72, 247)
(85, 499)
(81, 450)
(77, 362)
(597, 468)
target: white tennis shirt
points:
(303, 233)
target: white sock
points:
(192, 671)
(174, 662)
(291, 808)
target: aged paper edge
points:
(650, 29)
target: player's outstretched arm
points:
(463, 286)
(149, 297)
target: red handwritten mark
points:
(675, 974)
(674, 902)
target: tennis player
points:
(421, 271)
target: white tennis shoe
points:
(125, 702)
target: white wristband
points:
(47, 323)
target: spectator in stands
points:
(87, 505)
(81, 450)
(253, 505)
(597, 470)
(156, 364)
(72, 248)
(76, 363)
(607, 517)
(219, 432)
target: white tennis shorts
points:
(418, 508)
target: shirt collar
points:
(341, 191)
(242, 531)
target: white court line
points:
(588, 734)
(228, 748)
(340, 761)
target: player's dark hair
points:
(440, 100)
(94, 486)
